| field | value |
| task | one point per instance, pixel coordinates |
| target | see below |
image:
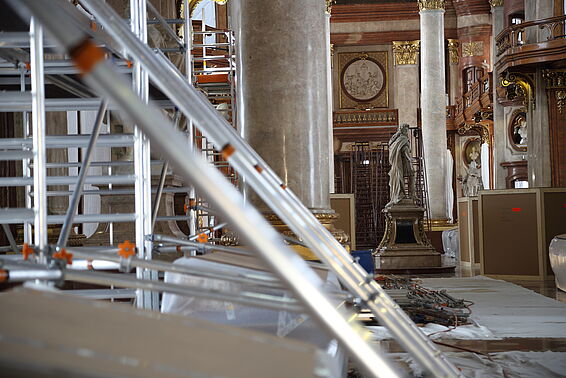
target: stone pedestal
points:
(405, 244)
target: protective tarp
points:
(281, 323)
(557, 255)
(451, 243)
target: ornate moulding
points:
(496, 3)
(406, 52)
(556, 80)
(519, 85)
(474, 48)
(425, 5)
(453, 45)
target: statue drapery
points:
(401, 167)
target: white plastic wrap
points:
(557, 255)
(451, 243)
(280, 323)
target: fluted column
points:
(282, 92)
(433, 104)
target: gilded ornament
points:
(453, 50)
(555, 79)
(328, 6)
(472, 49)
(496, 3)
(561, 101)
(478, 128)
(519, 85)
(406, 52)
(425, 5)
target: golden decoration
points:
(328, 6)
(406, 52)
(496, 3)
(555, 79)
(519, 85)
(481, 130)
(453, 45)
(425, 5)
(472, 49)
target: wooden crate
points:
(516, 227)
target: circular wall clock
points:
(363, 79)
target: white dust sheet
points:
(501, 310)
(505, 364)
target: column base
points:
(326, 217)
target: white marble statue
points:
(472, 183)
(401, 167)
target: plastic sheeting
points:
(557, 255)
(512, 364)
(451, 243)
(281, 323)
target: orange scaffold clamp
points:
(63, 255)
(202, 238)
(27, 251)
(126, 249)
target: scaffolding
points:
(155, 134)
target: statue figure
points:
(472, 183)
(401, 167)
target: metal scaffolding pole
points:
(282, 200)
(38, 126)
(74, 202)
(142, 166)
(255, 230)
(188, 37)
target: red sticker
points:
(516, 209)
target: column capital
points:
(425, 5)
(406, 52)
(328, 5)
(496, 3)
(453, 45)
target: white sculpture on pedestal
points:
(401, 167)
(472, 183)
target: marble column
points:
(499, 126)
(282, 92)
(283, 100)
(433, 105)
(328, 47)
(406, 76)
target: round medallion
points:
(363, 79)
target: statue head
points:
(403, 128)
